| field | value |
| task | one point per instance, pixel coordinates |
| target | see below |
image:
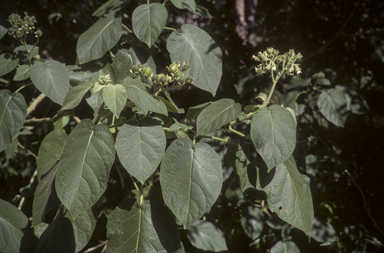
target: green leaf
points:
(289, 195)
(148, 22)
(52, 79)
(122, 63)
(22, 73)
(201, 11)
(13, 111)
(298, 81)
(191, 179)
(12, 224)
(140, 147)
(285, 247)
(323, 81)
(311, 164)
(143, 99)
(355, 103)
(115, 97)
(185, 4)
(61, 119)
(252, 221)
(67, 235)
(8, 63)
(22, 53)
(333, 105)
(139, 55)
(206, 236)
(99, 38)
(171, 106)
(194, 45)
(217, 115)
(76, 94)
(194, 111)
(148, 227)
(273, 132)
(111, 7)
(45, 197)
(290, 99)
(83, 171)
(50, 151)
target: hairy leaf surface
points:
(13, 111)
(192, 44)
(83, 171)
(115, 97)
(140, 147)
(273, 132)
(52, 79)
(191, 179)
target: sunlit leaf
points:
(76, 94)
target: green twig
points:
(134, 183)
(126, 28)
(212, 137)
(22, 87)
(170, 28)
(238, 133)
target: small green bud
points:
(173, 68)
(189, 79)
(186, 66)
(25, 29)
(181, 80)
(38, 33)
(147, 71)
(163, 80)
(11, 30)
(155, 78)
(178, 74)
(26, 18)
(30, 24)
(16, 27)
(135, 69)
(19, 33)
(33, 18)
(19, 20)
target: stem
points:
(22, 87)
(29, 53)
(212, 137)
(37, 101)
(238, 133)
(170, 28)
(134, 183)
(273, 85)
(77, 119)
(126, 28)
(142, 194)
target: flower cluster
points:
(271, 60)
(104, 79)
(20, 28)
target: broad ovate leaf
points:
(191, 179)
(83, 171)
(22, 73)
(8, 63)
(115, 97)
(122, 64)
(12, 224)
(111, 7)
(206, 236)
(50, 151)
(217, 115)
(334, 107)
(289, 195)
(140, 147)
(99, 38)
(148, 22)
(51, 78)
(76, 94)
(13, 111)
(273, 132)
(194, 45)
(185, 4)
(143, 99)
(145, 227)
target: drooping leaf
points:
(115, 97)
(285, 247)
(12, 224)
(8, 63)
(111, 7)
(122, 63)
(194, 111)
(99, 38)
(171, 106)
(140, 147)
(67, 235)
(52, 79)
(76, 94)
(298, 81)
(13, 111)
(61, 119)
(323, 81)
(217, 115)
(22, 73)
(206, 236)
(185, 4)
(148, 227)
(200, 11)
(252, 221)
(289, 195)
(290, 99)
(273, 132)
(148, 22)
(333, 105)
(45, 197)
(192, 44)
(83, 171)
(191, 178)
(50, 151)
(143, 99)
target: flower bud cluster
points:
(104, 79)
(20, 28)
(271, 60)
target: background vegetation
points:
(342, 39)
